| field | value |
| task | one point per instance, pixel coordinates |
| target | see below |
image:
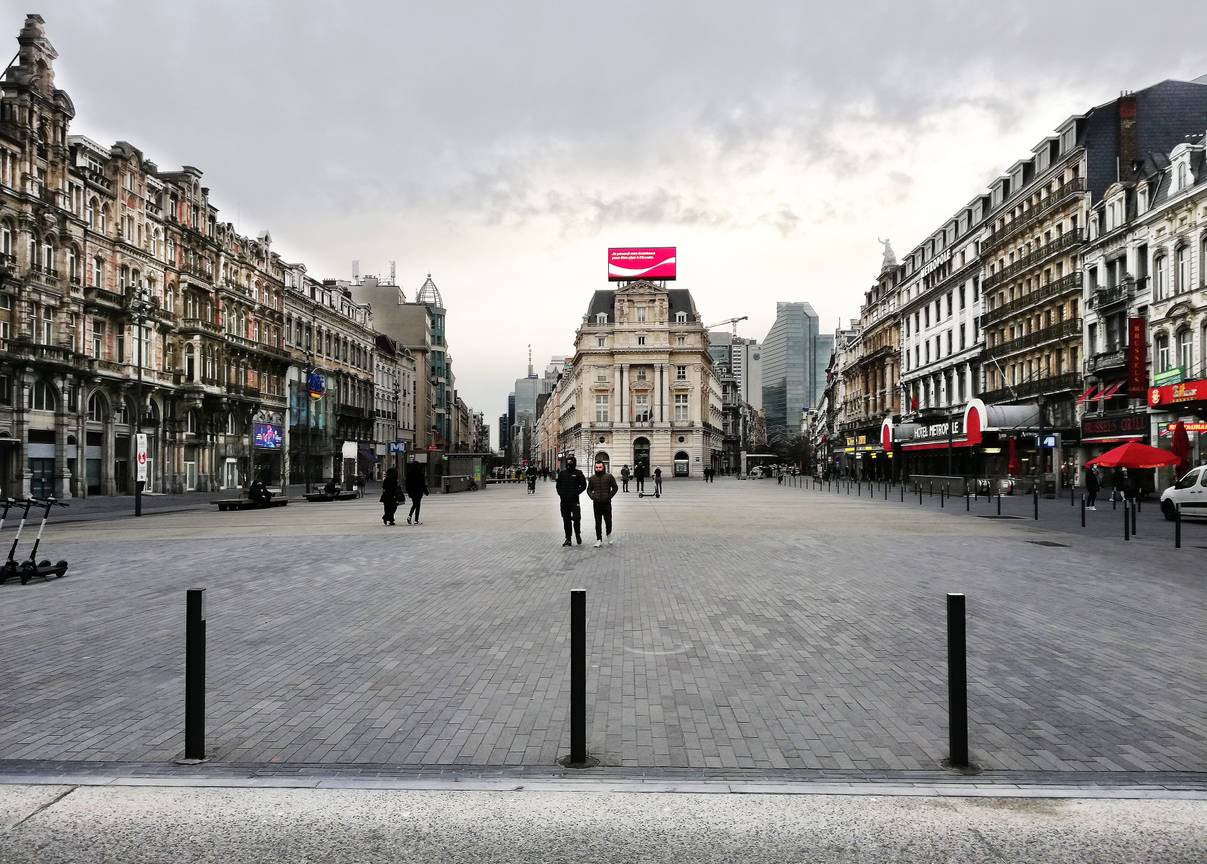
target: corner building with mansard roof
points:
(641, 389)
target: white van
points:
(1189, 494)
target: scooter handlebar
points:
(49, 502)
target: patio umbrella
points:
(1134, 455)
(1181, 447)
(1012, 466)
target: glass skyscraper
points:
(794, 370)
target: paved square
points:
(735, 625)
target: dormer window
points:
(601, 318)
(1141, 199)
(680, 317)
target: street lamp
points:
(139, 304)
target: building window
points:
(1162, 352)
(98, 338)
(601, 408)
(600, 341)
(640, 340)
(680, 340)
(640, 314)
(680, 373)
(601, 318)
(43, 397)
(681, 406)
(1182, 268)
(1185, 351)
(641, 408)
(680, 317)
(1159, 278)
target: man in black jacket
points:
(570, 484)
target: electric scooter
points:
(10, 567)
(32, 567)
(7, 504)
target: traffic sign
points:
(140, 456)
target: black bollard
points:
(940, 496)
(902, 493)
(957, 682)
(1177, 526)
(1035, 495)
(859, 488)
(1135, 509)
(967, 503)
(1071, 488)
(931, 486)
(194, 674)
(919, 496)
(578, 676)
(1083, 511)
(999, 502)
(1138, 508)
(1127, 525)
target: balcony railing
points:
(1066, 382)
(1105, 360)
(1060, 286)
(1103, 296)
(1068, 241)
(199, 324)
(92, 294)
(1045, 206)
(1064, 329)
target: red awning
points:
(1109, 391)
(1084, 396)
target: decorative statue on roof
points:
(890, 260)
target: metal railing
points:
(1052, 384)
(1071, 327)
(1046, 206)
(1106, 360)
(1045, 292)
(1068, 241)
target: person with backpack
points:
(601, 489)
(657, 482)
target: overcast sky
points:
(503, 146)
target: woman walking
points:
(389, 496)
(416, 487)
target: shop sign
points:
(1192, 427)
(1173, 394)
(1114, 426)
(953, 428)
(1137, 356)
(1169, 376)
(860, 443)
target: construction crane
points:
(733, 322)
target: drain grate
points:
(1049, 543)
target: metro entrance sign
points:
(140, 457)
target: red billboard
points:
(1174, 394)
(1137, 357)
(641, 262)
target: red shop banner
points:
(1137, 356)
(1174, 394)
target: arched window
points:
(104, 222)
(1160, 277)
(96, 408)
(1185, 350)
(43, 397)
(90, 211)
(170, 251)
(1161, 351)
(1181, 257)
(73, 264)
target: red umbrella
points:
(1181, 447)
(1012, 466)
(1133, 454)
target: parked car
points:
(1189, 494)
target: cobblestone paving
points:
(735, 625)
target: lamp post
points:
(139, 305)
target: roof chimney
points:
(1128, 153)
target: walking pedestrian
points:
(1091, 486)
(657, 482)
(390, 496)
(531, 479)
(416, 486)
(624, 478)
(639, 476)
(601, 489)
(570, 485)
